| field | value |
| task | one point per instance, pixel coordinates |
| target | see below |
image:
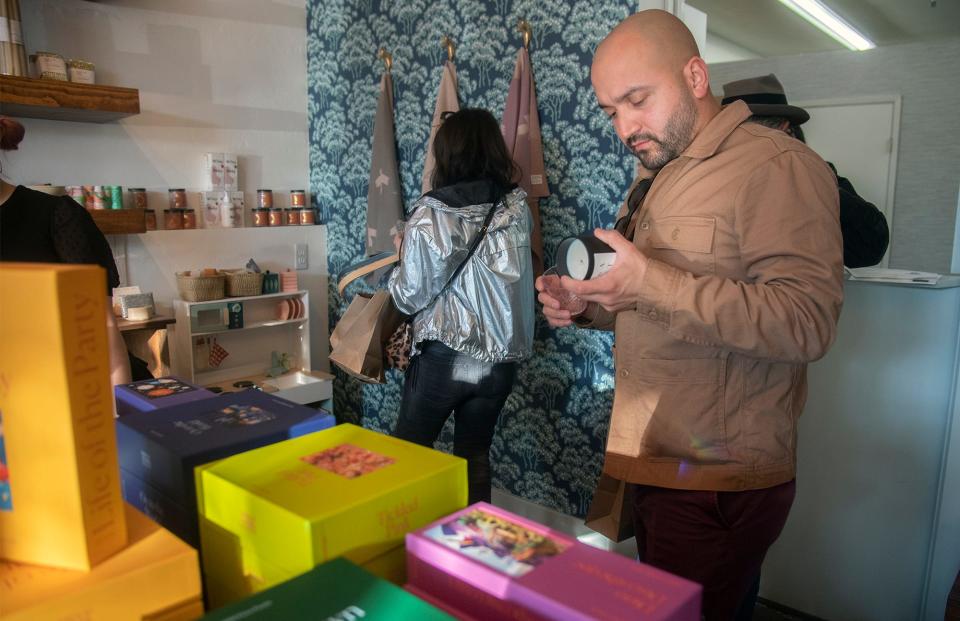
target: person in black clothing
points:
(40, 228)
(864, 227)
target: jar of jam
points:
(172, 219)
(276, 217)
(261, 217)
(189, 218)
(151, 217)
(298, 198)
(138, 197)
(307, 216)
(265, 199)
(178, 198)
(292, 216)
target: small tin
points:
(292, 216)
(80, 71)
(116, 196)
(264, 199)
(50, 66)
(151, 217)
(307, 216)
(261, 217)
(276, 217)
(76, 193)
(298, 198)
(189, 218)
(138, 198)
(178, 198)
(100, 198)
(172, 219)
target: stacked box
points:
(154, 577)
(495, 564)
(278, 511)
(159, 450)
(60, 501)
(155, 394)
(335, 590)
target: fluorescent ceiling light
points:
(830, 23)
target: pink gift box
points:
(496, 565)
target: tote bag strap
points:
(368, 265)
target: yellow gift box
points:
(60, 501)
(154, 577)
(345, 491)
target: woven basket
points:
(241, 283)
(200, 288)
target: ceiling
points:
(768, 28)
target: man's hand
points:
(619, 288)
(556, 316)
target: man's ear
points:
(697, 77)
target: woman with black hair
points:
(466, 275)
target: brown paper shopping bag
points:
(611, 510)
(362, 333)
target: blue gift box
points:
(159, 450)
(155, 394)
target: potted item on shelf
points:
(243, 283)
(200, 287)
(271, 283)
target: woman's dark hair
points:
(469, 147)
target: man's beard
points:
(677, 136)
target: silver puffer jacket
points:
(487, 311)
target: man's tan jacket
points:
(743, 289)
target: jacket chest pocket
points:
(685, 242)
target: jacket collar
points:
(467, 193)
(706, 143)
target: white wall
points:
(720, 50)
(924, 74)
(213, 75)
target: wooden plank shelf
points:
(66, 101)
(120, 221)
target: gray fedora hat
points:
(764, 95)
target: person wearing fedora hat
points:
(727, 281)
(863, 226)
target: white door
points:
(860, 137)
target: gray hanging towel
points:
(384, 196)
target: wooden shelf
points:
(66, 101)
(156, 322)
(120, 221)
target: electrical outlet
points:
(300, 256)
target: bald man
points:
(727, 282)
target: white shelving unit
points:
(249, 348)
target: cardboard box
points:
(60, 501)
(334, 590)
(154, 394)
(345, 491)
(154, 577)
(495, 564)
(159, 450)
(211, 171)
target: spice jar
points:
(80, 71)
(50, 66)
(172, 219)
(276, 217)
(116, 196)
(298, 198)
(307, 216)
(151, 216)
(138, 197)
(188, 218)
(292, 216)
(264, 199)
(178, 198)
(261, 217)
(100, 197)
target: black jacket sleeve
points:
(864, 227)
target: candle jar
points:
(172, 219)
(80, 71)
(189, 218)
(292, 217)
(276, 217)
(138, 197)
(298, 198)
(178, 198)
(151, 217)
(307, 216)
(261, 217)
(264, 199)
